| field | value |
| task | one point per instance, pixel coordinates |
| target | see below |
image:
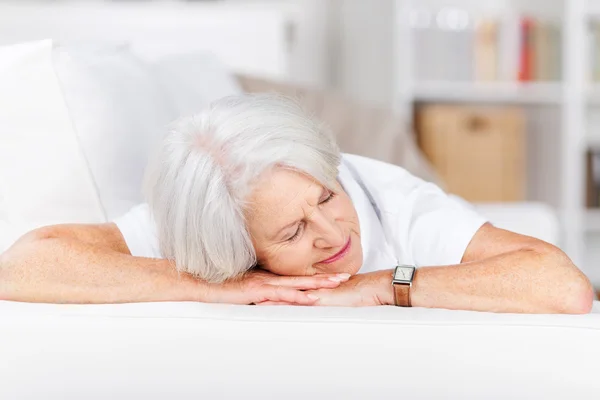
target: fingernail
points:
(340, 277)
(312, 297)
(344, 276)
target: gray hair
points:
(198, 182)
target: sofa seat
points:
(191, 351)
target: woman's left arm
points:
(500, 271)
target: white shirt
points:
(403, 219)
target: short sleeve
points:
(441, 226)
(423, 225)
(139, 231)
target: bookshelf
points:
(567, 93)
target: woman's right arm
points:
(92, 264)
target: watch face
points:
(404, 273)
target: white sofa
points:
(75, 127)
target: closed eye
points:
(297, 234)
(330, 197)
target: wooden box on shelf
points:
(478, 151)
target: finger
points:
(289, 295)
(335, 298)
(325, 281)
(275, 303)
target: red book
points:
(526, 50)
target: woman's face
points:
(299, 227)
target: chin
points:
(356, 262)
(352, 264)
(353, 267)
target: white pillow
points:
(193, 80)
(119, 112)
(121, 105)
(44, 177)
(77, 124)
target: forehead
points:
(282, 194)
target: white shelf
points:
(498, 92)
(489, 92)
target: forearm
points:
(65, 270)
(522, 281)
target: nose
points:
(329, 232)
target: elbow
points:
(573, 291)
(582, 298)
(15, 261)
(24, 243)
(46, 232)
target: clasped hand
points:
(265, 288)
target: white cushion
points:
(121, 105)
(193, 80)
(77, 124)
(194, 351)
(119, 113)
(44, 177)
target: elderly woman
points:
(251, 202)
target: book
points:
(526, 54)
(486, 50)
(507, 48)
(541, 66)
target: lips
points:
(340, 254)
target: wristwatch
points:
(402, 282)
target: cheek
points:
(346, 211)
(288, 260)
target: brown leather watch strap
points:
(402, 295)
